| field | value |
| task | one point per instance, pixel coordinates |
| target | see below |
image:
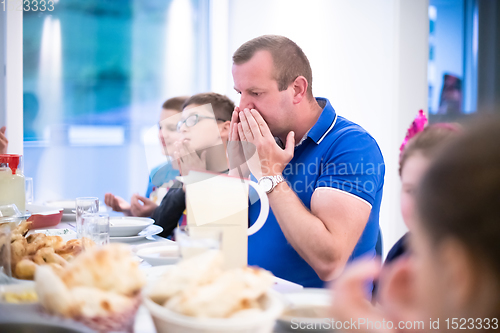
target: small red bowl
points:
(43, 216)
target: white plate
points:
(68, 217)
(149, 231)
(158, 253)
(43, 210)
(155, 272)
(124, 226)
(301, 304)
(67, 205)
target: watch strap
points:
(276, 180)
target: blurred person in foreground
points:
(167, 134)
(421, 145)
(455, 253)
(324, 173)
(204, 129)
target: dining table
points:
(144, 322)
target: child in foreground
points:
(454, 267)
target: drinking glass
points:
(29, 190)
(95, 227)
(84, 205)
(5, 257)
(193, 240)
(10, 217)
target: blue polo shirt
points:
(160, 175)
(337, 154)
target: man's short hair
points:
(222, 106)
(289, 60)
(174, 103)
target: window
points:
(95, 76)
(453, 54)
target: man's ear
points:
(459, 272)
(224, 130)
(299, 89)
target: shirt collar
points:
(325, 122)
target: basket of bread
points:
(100, 288)
(197, 295)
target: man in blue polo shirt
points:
(323, 174)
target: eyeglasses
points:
(193, 120)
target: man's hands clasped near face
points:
(249, 133)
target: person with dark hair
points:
(421, 145)
(222, 106)
(323, 173)
(174, 104)
(415, 158)
(455, 260)
(204, 129)
(167, 134)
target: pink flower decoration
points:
(416, 127)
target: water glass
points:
(193, 240)
(29, 190)
(9, 219)
(5, 256)
(95, 227)
(84, 205)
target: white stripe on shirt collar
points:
(329, 129)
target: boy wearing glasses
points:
(204, 130)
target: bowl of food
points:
(197, 295)
(20, 311)
(168, 321)
(22, 293)
(158, 253)
(127, 225)
(16, 299)
(306, 309)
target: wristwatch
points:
(268, 183)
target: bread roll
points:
(198, 270)
(109, 268)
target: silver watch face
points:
(266, 183)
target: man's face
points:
(168, 129)
(205, 132)
(259, 90)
